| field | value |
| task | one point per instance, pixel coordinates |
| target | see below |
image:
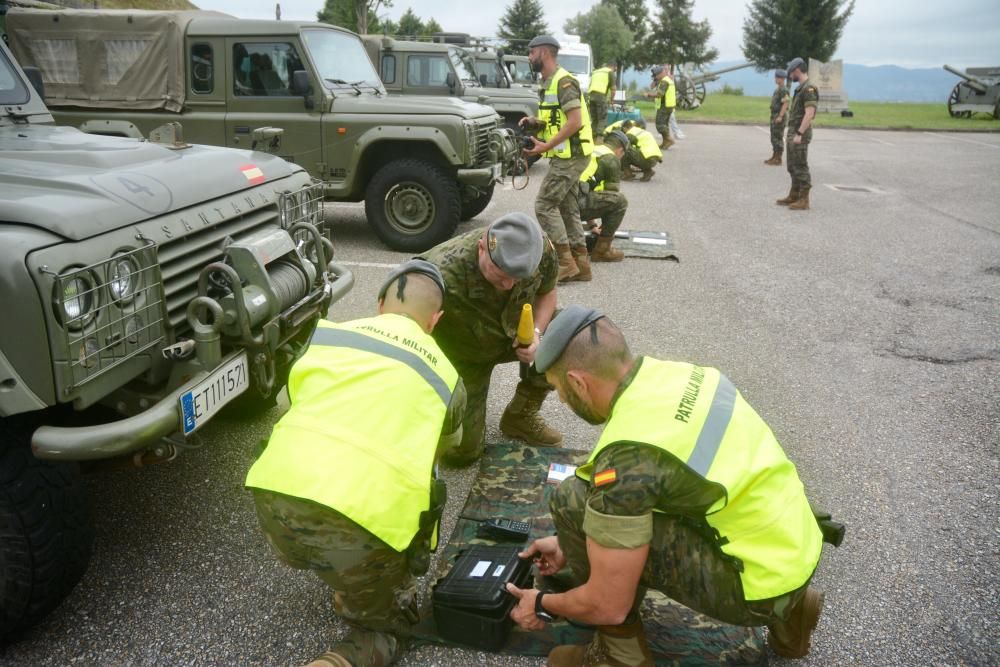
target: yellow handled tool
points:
(525, 333)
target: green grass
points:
(903, 115)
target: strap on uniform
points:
(833, 531)
(418, 553)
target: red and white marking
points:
(253, 174)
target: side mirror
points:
(35, 78)
(500, 54)
(482, 80)
(452, 81)
(302, 87)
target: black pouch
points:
(418, 554)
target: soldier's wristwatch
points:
(540, 610)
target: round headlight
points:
(77, 301)
(122, 278)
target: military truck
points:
(146, 285)
(520, 71)
(426, 68)
(419, 164)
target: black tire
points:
(474, 207)
(45, 532)
(412, 205)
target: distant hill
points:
(885, 83)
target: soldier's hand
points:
(797, 140)
(528, 121)
(526, 353)
(546, 554)
(523, 612)
(537, 150)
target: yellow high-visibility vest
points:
(368, 400)
(646, 143)
(669, 98)
(582, 143)
(599, 152)
(600, 81)
(698, 416)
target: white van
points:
(575, 57)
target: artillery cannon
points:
(977, 92)
(691, 83)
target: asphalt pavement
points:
(865, 331)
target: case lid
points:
(479, 577)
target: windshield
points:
(340, 59)
(575, 64)
(521, 71)
(492, 72)
(12, 91)
(463, 64)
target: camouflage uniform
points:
(556, 205)
(664, 112)
(633, 156)
(806, 95)
(479, 325)
(608, 204)
(685, 562)
(779, 97)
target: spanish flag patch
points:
(605, 477)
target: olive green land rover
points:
(146, 285)
(420, 164)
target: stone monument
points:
(829, 78)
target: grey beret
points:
(618, 136)
(543, 40)
(515, 244)
(421, 266)
(561, 330)
(657, 70)
(794, 64)
(780, 73)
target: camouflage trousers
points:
(663, 115)
(682, 564)
(598, 113)
(556, 206)
(778, 135)
(797, 157)
(476, 377)
(633, 158)
(607, 205)
(374, 588)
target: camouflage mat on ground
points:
(511, 484)
(647, 245)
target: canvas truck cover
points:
(107, 59)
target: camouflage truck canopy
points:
(109, 59)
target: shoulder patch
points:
(605, 477)
(567, 84)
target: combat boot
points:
(612, 646)
(361, 647)
(567, 265)
(646, 175)
(628, 174)
(603, 252)
(790, 639)
(802, 203)
(521, 419)
(774, 159)
(582, 258)
(667, 143)
(793, 196)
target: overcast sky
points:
(909, 33)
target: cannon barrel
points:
(712, 76)
(970, 81)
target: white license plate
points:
(204, 400)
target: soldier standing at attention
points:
(347, 488)
(600, 94)
(687, 491)
(779, 115)
(665, 99)
(800, 118)
(604, 198)
(566, 138)
(490, 274)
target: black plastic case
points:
(471, 603)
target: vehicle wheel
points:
(412, 205)
(45, 531)
(477, 205)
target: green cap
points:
(561, 330)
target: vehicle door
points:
(205, 114)
(427, 73)
(259, 94)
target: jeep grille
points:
(483, 130)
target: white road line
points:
(371, 265)
(884, 143)
(864, 134)
(758, 127)
(962, 139)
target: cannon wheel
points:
(687, 93)
(699, 92)
(954, 99)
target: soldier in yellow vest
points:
(349, 489)
(687, 492)
(599, 96)
(565, 137)
(664, 100)
(603, 197)
(643, 152)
